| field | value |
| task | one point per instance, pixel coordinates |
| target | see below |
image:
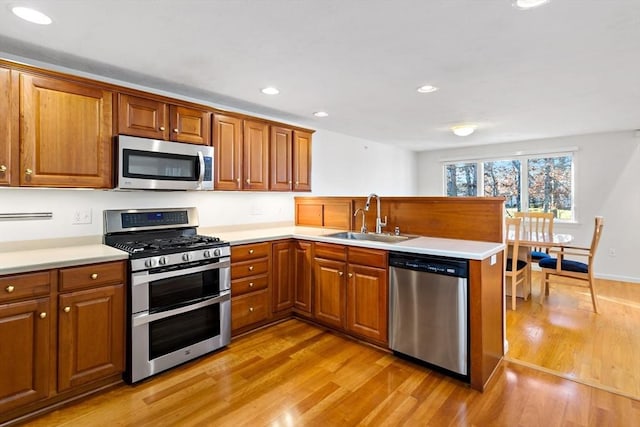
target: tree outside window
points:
(462, 179)
(550, 185)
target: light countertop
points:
(31, 257)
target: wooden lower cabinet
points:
(35, 373)
(282, 274)
(24, 352)
(250, 286)
(303, 278)
(90, 335)
(351, 290)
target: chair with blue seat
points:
(515, 268)
(581, 271)
(537, 222)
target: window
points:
(533, 183)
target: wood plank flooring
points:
(565, 336)
(296, 374)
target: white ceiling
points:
(570, 67)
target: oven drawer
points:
(250, 251)
(24, 286)
(249, 268)
(90, 276)
(243, 286)
(250, 308)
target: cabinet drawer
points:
(89, 276)
(370, 257)
(331, 251)
(249, 308)
(24, 285)
(250, 251)
(249, 268)
(242, 286)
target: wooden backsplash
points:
(468, 218)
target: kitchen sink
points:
(386, 238)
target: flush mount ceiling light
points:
(427, 89)
(528, 4)
(321, 114)
(463, 130)
(270, 90)
(31, 15)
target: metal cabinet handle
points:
(350, 275)
(248, 181)
(289, 182)
(251, 268)
(162, 128)
(251, 309)
(340, 273)
(94, 276)
(251, 284)
(297, 182)
(3, 168)
(10, 288)
(250, 251)
(28, 172)
(43, 315)
(67, 309)
(176, 130)
(238, 180)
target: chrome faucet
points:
(379, 223)
(363, 229)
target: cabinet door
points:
(302, 276)
(329, 306)
(283, 271)
(65, 133)
(190, 125)
(281, 146)
(24, 352)
(90, 335)
(301, 161)
(227, 144)
(367, 305)
(143, 117)
(8, 130)
(256, 155)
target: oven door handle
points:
(146, 277)
(144, 318)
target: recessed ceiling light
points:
(270, 90)
(321, 114)
(463, 130)
(528, 4)
(31, 15)
(427, 89)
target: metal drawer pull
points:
(250, 251)
(94, 276)
(43, 315)
(3, 168)
(251, 309)
(251, 284)
(350, 275)
(162, 128)
(10, 288)
(251, 268)
(28, 171)
(340, 273)
(67, 309)
(176, 130)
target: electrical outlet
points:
(612, 252)
(81, 216)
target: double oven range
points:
(179, 291)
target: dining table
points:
(533, 239)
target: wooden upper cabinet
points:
(280, 170)
(190, 125)
(149, 118)
(8, 130)
(65, 133)
(142, 117)
(227, 146)
(301, 161)
(256, 155)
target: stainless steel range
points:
(179, 291)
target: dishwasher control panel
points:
(432, 264)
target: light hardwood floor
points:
(294, 374)
(565, 336)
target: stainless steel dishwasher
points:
(428, 309)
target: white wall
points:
(607, 178)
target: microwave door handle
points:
(201, 160)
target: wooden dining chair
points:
(537, 222)
(515, 268)
(581, 271)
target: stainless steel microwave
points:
(151, 164)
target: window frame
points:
(524, 175)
